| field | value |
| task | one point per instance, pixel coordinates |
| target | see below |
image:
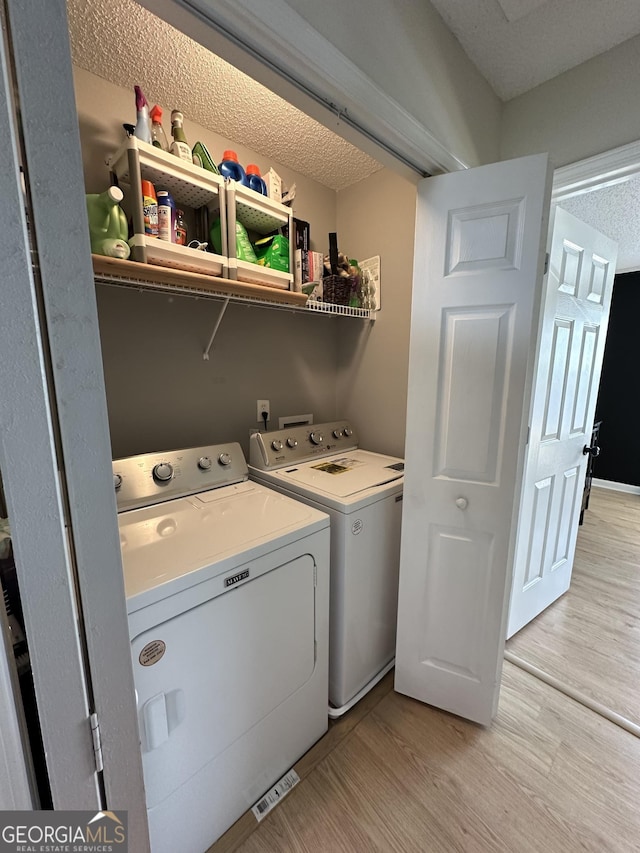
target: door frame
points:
(56, 455)
(594, 173)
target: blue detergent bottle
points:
(230, 168)
(254, 180)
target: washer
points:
(362, 492)
(227, 588)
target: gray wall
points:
(373, 360)
(161, 394)
(585, 111)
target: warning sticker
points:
(152, 652)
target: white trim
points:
(44, 92)
(616, 487)
(30, 474)
(602, 170)
(284, 42)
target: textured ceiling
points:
(518, 44)
(124, 43)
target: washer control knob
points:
(204, 463)
(276, 444)
(337, 433)
(292, 442)
(163, 472)
(316, 438)
(347, 432)
(117, 481)
(224, 459)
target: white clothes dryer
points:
(362, 492)
(227, 587)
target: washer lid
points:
(166, 545)
(345, 475)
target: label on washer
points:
(357, 526)
(152, 652)
(338, 466)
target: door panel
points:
(474, 359)
(476, 294)
(572, 335)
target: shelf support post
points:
(205, 354)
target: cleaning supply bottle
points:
(143, 126)
(108, 223)
(230, 168)
(254, 181)
(179, 146)
(158, 136)
(166, 216)
(181, 228)
(150, 209)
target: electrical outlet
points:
(263, 406)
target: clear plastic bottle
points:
(143, 126)
(158, 136)
(179, 146)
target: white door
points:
(479, 256)
(574, 316)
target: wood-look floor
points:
(590, 637)
(548, 775)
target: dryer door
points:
(207, 676)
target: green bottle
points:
(108, 223)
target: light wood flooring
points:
(590, 637)
(548, 775)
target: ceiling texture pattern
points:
(207, 89)
(518, 44)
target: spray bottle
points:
(143, 126)
(158, 136)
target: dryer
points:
(323, 466)
(227, 589)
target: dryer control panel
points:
(270, 450)
(155, 477)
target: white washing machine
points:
(362, 492)
(227, 586)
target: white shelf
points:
(257, 212)
(189, 185)
(340, 310)
(257, 274)
(165, 254)
(147, 277)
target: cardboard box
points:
(300, 269)
(274, 185)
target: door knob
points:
(591, 451)
(462, 503)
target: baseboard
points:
(615, 487)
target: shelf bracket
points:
(205, 354)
